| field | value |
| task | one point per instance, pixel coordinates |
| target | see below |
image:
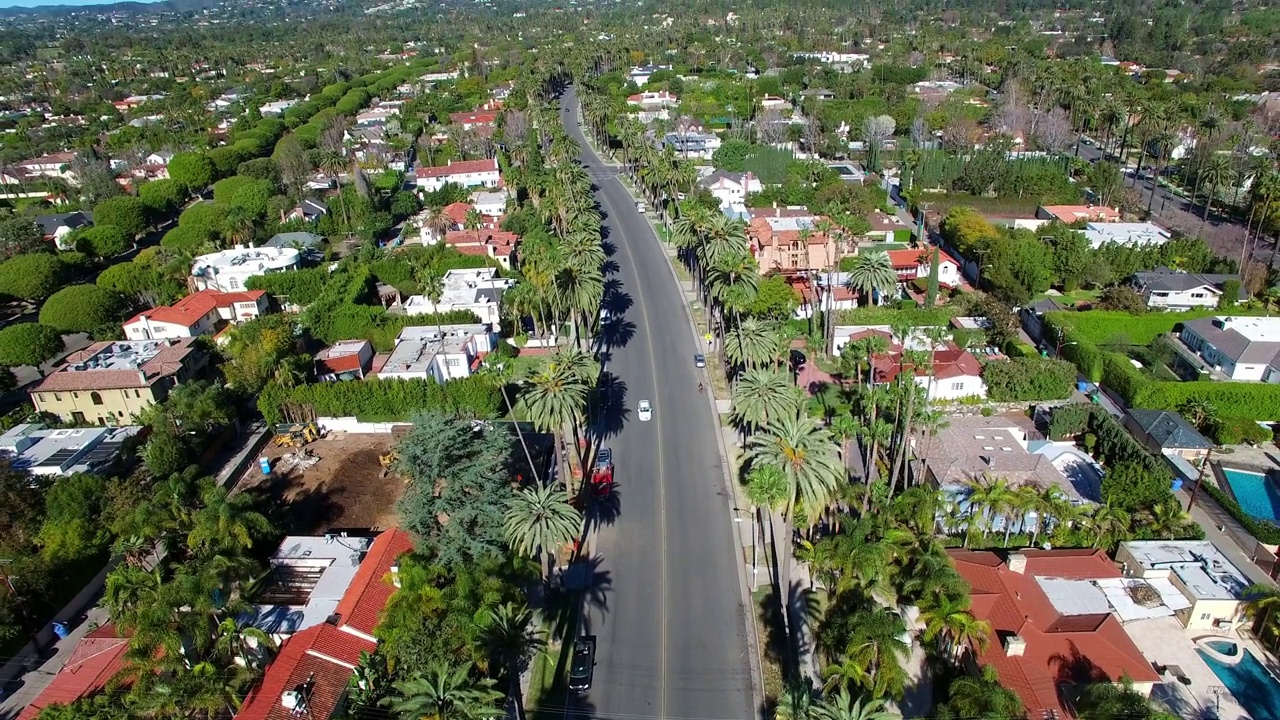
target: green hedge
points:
(1106, 326)
(1266, 532)
(915, 317)
(300, 287)
(1029, 379)
(1251, 401)
(379, 400)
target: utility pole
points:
(1199, 480)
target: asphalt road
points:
(670, 623)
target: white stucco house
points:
(228, 270)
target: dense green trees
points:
(123, 211)
(103, 241)
(162, 197)
(192, 170)
(28, 344)
(34, 276)
(1029, 379)
(82, 308)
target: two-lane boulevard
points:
(671, 630)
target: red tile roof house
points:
(1078, 213)
(952, 374)
(309, 677)
(473, 119)
(467, 173)
(1040, 652)
(913, 264)
(201, 313)
(497, 244)
(96, 658)
(346, 360)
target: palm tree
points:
(1216, 171)
(844, 707)
(1110, 524)
(430, 279)
(796, 701)
(238, 226)
(1261, 604)
(438, 223)
(807, 455)
(948, 622)
(225, 524)
(871, 272)
(538, 520)
(512, 637)
(983, 697)
(764, 393)
(236, 643)
(444, 693)
(333, 162)
(503, 374)
(752, 343)
(555, 397)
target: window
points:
(1205, 616)
(957, 386)
(57, 397)
(452, 362)
(233, 283)
(95, 398)
(1197, 296)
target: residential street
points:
(670, 624)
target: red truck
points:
(602, 473)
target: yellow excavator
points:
(296, 434)
(386, 461)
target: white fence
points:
(353, 425)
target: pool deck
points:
(1164, 641)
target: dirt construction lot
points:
(345, 488)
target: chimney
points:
(1015, 646)
(142, 377)
(1018, 563)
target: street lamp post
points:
(755, 570)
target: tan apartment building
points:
(790, 244)
(108, 383)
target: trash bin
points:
(265, 464)
(61, 630)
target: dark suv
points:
(583, 665)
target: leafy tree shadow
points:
(611, 399)
(294, 509)
(604, 509)
(617, 333)
(616, 300)
(609, 248)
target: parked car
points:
(583, 665)
(645, 411)
(700, 360)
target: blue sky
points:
(41, 3)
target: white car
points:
(645, 411)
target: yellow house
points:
(108, 383)
(1210, 582)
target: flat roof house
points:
(229, 270)
(1211, 583)
(108, 383)
(1043, 647)
(478, 290)
(66, 451)
(442, 354)
(1242, 348)
(308, 577)
(310, 675)
(1165, 288)
(1140, 234)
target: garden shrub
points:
(1235, 430)
(1028, 379)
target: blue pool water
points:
(1224, 647)
(1253, 687)
(1256, 494)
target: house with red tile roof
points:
(497, 244)
(914, 264)
(108, 383)
(467, 173)
(96, 658)
(1078, 213)
(1041, 651)
(201, 313)
(790, 244)
(474, 119)
(345, 360)
(951, 373)
(309, 677)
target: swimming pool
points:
(1256, 493)
(1253, 687)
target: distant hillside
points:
(119, 7)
